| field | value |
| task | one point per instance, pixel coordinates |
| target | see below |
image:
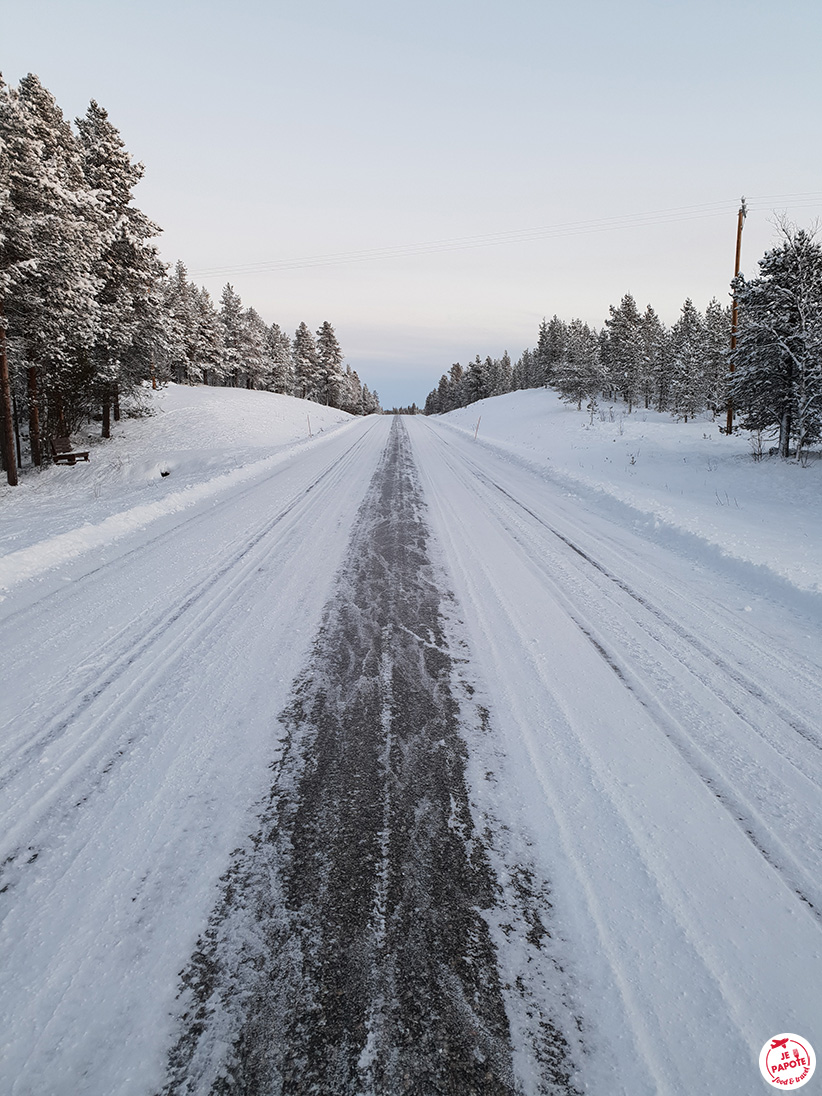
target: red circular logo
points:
(787, 1061)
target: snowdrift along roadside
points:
(666, 476)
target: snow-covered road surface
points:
(659, 751)
(632, 905)
(141, 690)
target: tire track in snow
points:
(349, 953)
(798, 877)
(805, 730)
(98, 698)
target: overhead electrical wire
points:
(496, 239)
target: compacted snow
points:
(607, 635)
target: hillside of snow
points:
(675, 478)
(187, 443)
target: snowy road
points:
(141, 690)
(660, 753)
(533, 802)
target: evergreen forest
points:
(89, 312)
(772, 375)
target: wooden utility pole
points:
(729, 425)
(6, 424)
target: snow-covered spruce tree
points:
(329, 367)
(127, 268)
(306, 370)
(52, 240)
(688, 363)
(777, 382)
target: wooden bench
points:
(61, 450)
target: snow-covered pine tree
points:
(443, 394)
(474, 382)
(717, 349)
(577, 376)
(777, 383)
(654, 368)
(256, 358)
(209, 346)
(688, 360)
(621, 349)
(282, 363)
(306, 371)
(179, 304)
(52, 241)
(370, 401)
(491, 375)
(329, 366)
(127, 267)
(551, 344)
(505, 374)
(352, 392)
(456, 376)
(525, 372)
(8, 457)
(231, 316)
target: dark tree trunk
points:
(107, 415)
(785, 432)
(34, 417)
(17, 430)
(6, 426)
(117, 404)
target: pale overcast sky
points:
(279, 131)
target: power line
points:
(496, 239)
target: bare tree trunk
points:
(6, 426)
(785, 432)
(34, 417)
(117, 404)
(16, 430)
(107, 414)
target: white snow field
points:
(645, 637)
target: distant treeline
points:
(773, 377)
(87, 309)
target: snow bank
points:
(193, 443)
(673, 475)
